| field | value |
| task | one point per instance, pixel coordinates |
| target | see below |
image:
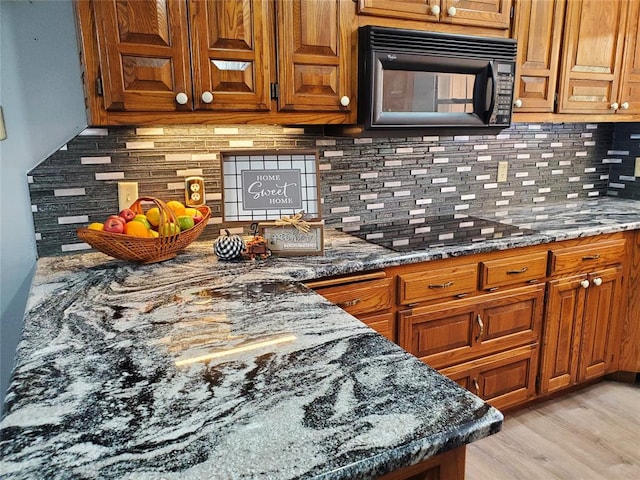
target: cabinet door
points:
(314, 39)
(600, 324)
(144, 54)
(409, 9)
(630, 89)
(592, 57)
(561, 339)
(538, 30)
(504, 380)
(482, 13)
(440, 335)
(232, 44)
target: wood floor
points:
(591, 434)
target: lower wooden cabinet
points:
(580, 328)
(504, 380)
(508, 326)
(446, 466)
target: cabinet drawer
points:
(503, 380)
(584, 258)
(449, 333)
(363, 297)
(438, 283)
(516, 270)
(383, 323)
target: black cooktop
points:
(438, 231)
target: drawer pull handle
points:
(591, 257)
(442, 285)
(597, 281)
(462, 295)
(516, 272)
(349, 303)
(481, 326)
(476, 386)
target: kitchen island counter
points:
(196, 368)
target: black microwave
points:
(425, 80)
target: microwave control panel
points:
(504, 93)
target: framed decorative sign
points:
(286, 240)
(268, 186)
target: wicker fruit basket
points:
(146, 250)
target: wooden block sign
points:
(288, 240)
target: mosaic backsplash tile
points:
(362, 180)
(624, 155)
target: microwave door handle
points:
(492, 102)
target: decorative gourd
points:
(228, 246)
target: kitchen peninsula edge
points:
(196, 368)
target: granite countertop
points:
(196, 368)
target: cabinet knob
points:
(345, 101)
(182, 98)
(624, 106)
(435, 10)
(517, 103)
(614, 106)
(597, 281)
(584, 283)
(451, 11)
(207, 97)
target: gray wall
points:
(41, 95)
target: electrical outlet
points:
(194, 191)
(502, 171)
(127, 194)
(636, 171)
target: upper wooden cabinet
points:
(591, 66)
(630, 83)
(577, 57)
(538, 31)
(150, 61)
(484, 13)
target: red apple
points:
(114, 224)
(197, 218)
(127, 214)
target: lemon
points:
(168, 229)
(153, 215)
(191, 212)
(96, 226)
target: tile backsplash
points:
(363, 180)
(624, 155)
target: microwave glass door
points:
(417, 91)
(423, 90)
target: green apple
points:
(185, 222)
(143, 219)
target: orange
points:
(136, 229)
(177, 207)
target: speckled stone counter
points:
(200, 369)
